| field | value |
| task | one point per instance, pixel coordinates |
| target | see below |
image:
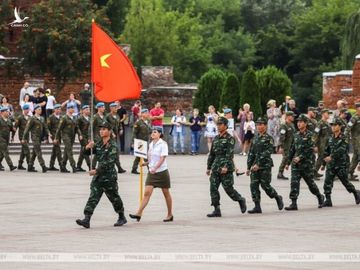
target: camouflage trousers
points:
(227, 181)
(284, 160)
(355, 157)
(82, 156)
(261, 178)
(136, 163)
(97, 188)
(68, 152)
(25, 154)
(4, 153)
(307, 173)
(320, 158)
(36, 152)
(55, 154)
(340, 172)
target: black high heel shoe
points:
(239, 173)
(135, 217)
(169, 219)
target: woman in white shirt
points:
(28, 102)
(249, 131)
(178, 132)
(158, 176)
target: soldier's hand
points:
(224, 170)
(255, 168)
(207, 172)
(286, 167)
(281, 150)
(316, 150)
(121, 132)
(46, 141)
(90, 145)
(55, 141)
(322, 168)
(358, 168)
(327, 159)
(92, 172)
(296, 159)
(247, 172)
(23, 141)
(80, 138)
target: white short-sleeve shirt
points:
(156, 151)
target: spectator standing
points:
(242, 116)
(121, 111)
(135, 112)
(40, 99)
(195, 126)
(249, 130)
(26, 89)
(295, 110)
(85, 95)
(273, 128)
(51, 101)
(72, 102)
(211, 128)
(5, 103)
(157, 116)
(27, 101)
(285, 105)
(178, 133)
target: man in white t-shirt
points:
(51, 101)
(26, 90)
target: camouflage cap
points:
(105, 125)
(290, 113)
(343, 110)
(302, 117)
(222, 120)
(325, 111)
(336, 121)
(321, 102)
(311, 109)
(261, 120)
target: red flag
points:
(111, 70)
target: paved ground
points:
(38, 212)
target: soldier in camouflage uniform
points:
(104, 177)
(98, 120)
(302, 163)
(53, 122)
(318, 110)
(336, 158)
(220, 167)
(354, 132)
(287, 131)
(322, 135)
(311, 123)
(259, 164)
(6, 127)
(20, 123)
(66, 131)
(39, 132)
(141, 131)
(114, 120)
(342, 118)
(83, 123)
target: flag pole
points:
(92, 106)
(141, 180)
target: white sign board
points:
(140, 148)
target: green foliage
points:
(351, 40)
(249, 92)
(273, 84)
(231, 93)
(116, 11)
(5, 12)
(209, 91)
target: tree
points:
(273, 84)
(5, 11)
(249, 92)
(116, 11)
(58, 41)
(351, 40)
(231, 93)
(209, 90)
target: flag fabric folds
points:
(112, 72)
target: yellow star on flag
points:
(102, 60)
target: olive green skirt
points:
(158, 180)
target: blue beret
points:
(26, 107)
(37, 106)
(57, 106)
(113, 104)
(4, 109)
(227, 110)
(69, 106)
(144, 110)
(158, 129)
(100, 104)
(85, 107)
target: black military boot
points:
(357, 196)
(281, 176)
(79, 169)
(121, 170)
(74, 170)
(121, 220)
(215, 213)
(64, 170)
(292, 206)
(53, 168)
(20, 166)
(279, 201)
(2, 169)
(242, 204)
(84, 222)
(320, 200)
(353, 177)
(256, 209)
(1, 166)
(12, 167)
(328, 202)
(44, 169)
(134, 171)
(31, 169)
(318, 175)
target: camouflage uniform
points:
(114, 121)
(67, 130)
(53, 124)
(97, 121)
(39, 131)
(322, 135)
(287, 131)
(141, 131)
(83, 124)
(354, 131)
(6, 127)
(20, 123)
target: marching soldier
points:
(66, 131)
(53, 122)
(311, 123)
(141, 131)
(104, 177)
(259, 165)
(39, 132)
(20, 123)
(6, 127)
(98, 120)
(287, 131)
(354, 131)
(322, 135)
(114, 120)
(83, 124)
(220, 167)
(302, 163)
(336, 158)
